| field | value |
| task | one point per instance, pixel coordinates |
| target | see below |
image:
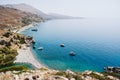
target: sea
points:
(95, 42)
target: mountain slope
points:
(28, 8)
(10, 17)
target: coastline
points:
(23, 28)
(25, 55)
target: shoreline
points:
(25, 55)
(24, 28)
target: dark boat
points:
(62, 45)
(34, 30)
(72, 53)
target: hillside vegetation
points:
(7, 56)
(9, 43)
(12, 19)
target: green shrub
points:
(61, 73)
(26, 20)
(43, 69)
(22, 40)
(7, 56)
(93, 75)
(7, 34)
(111, 74)
(14, 68)
(77, 76)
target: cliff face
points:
(13, 18)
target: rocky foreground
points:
(46, 74)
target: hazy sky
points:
(83, 8)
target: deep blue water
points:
(96, 43)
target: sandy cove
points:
(25, 55)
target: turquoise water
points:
(96, 43)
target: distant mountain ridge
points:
(61, 16)
(28, 8)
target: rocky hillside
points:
(28, 8)
(46, 74)
(12, 18)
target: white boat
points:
(40, 48)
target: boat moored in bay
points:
(34, 29)
(62, 45)
(72, 53)
(40, 48)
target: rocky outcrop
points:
(46, 74)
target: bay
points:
(96, 43)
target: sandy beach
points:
(23, 28)
(25, 55)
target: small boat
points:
(34, 29)
(72, 53)
(40, 48)
(62, 45)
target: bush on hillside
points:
(7, 56)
